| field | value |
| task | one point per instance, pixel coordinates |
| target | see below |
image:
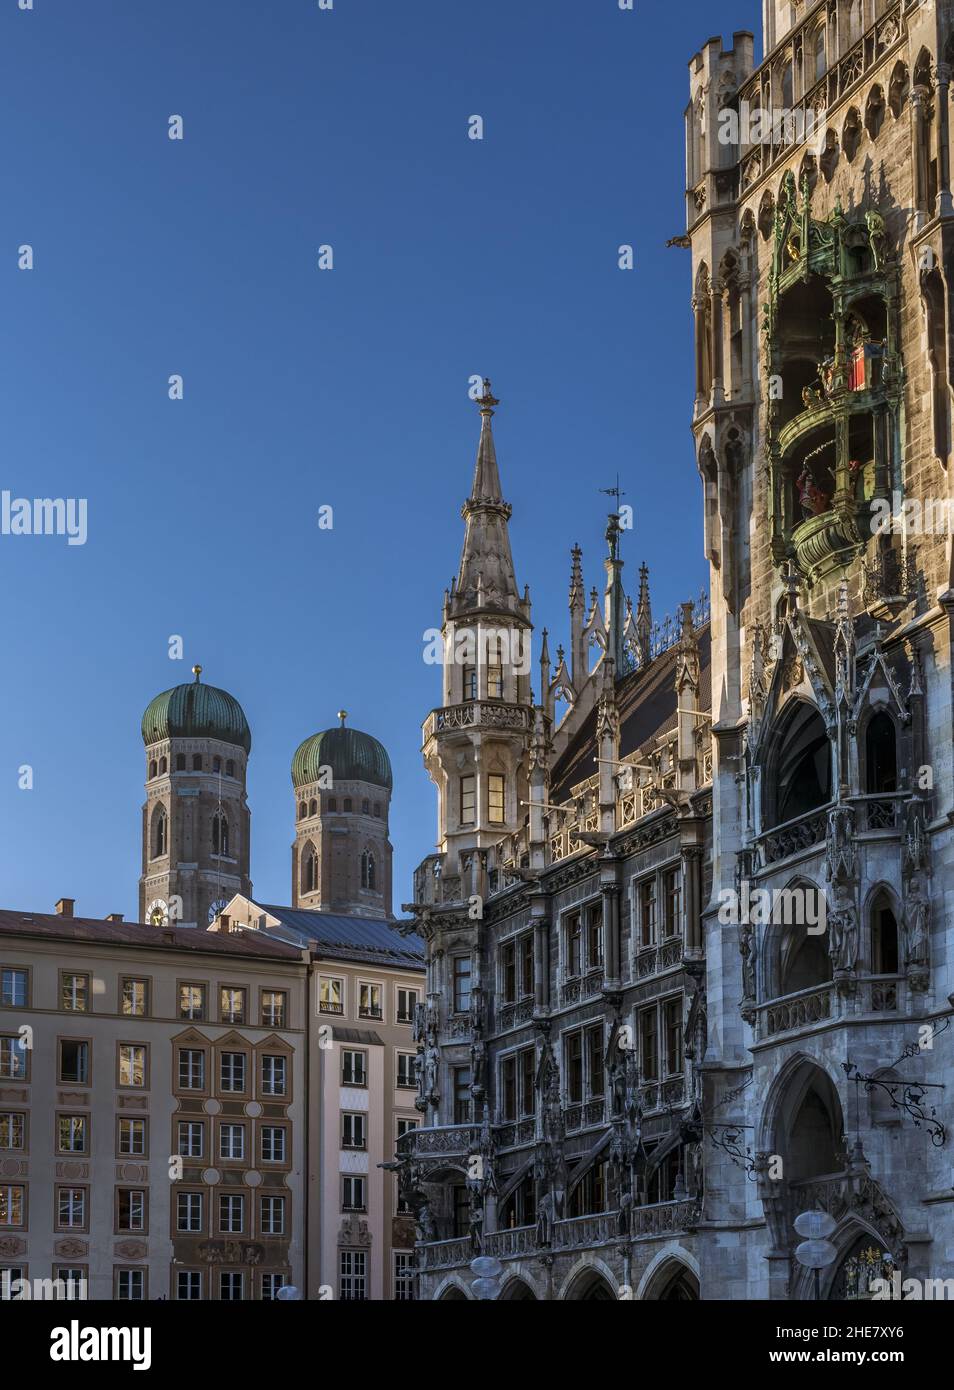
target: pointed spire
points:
(486, 580)
(644, 617)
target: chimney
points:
(64, 908)
(224, 924)
(114, 916)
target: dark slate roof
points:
(647, 705)
(99, 933)
(364, 939)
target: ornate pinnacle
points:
(487, 401)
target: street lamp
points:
(816, 1252)
(488, 1270)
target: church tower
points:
(195, 820)
(476, 745)
(341, 857)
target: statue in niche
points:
(877, 238)
(916, 924)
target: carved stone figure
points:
(876, 237)
(748, 949)
(917, 912)
(545, 1214)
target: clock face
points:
(215, 907)
(157, 913)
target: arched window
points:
(821, 63)
(881, 755)
(302, 810)
(365, 807)
(371, 873)
(313, 807)
(364, 869)
(216, 764)
(163, 767)
(347, 803)
(196, 762)
(377, 808)
(180, 762)
(220, 833)
(230, 768)
(854, 21)
(153, 769)
(160, 834)
(309, 877)
(788, 86)
(332, 803)
(884, 936)
(803, 769)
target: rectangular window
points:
(192, 1002)
(369, 1001)
(526, 965)
(272, 1216)
(353, 1131)
(406, 1004)
(404, 1125)
(647, 912)
(648, 1045)
(74, 1061)
(508, 1088)
(271, 1283)
(12, 1204)
(461, 1211)
(573, 1053)
(274, 1008)
(232, 1071)
(72, 1134)
(672, 1023)
(528, 1072)
(462, 1096)
(508, 972)
(672, 901)
(232, 1141)
(353, 1196)
(132, 1137)
(13, 1059)
(191, 1069)
(273, 1144)
(231, 1285)
(468, 799)
(461, 984)
(189, 1212)
(594, 1060)
(574, 941)
(274, 1070)
(75, 1279)
(470, 682)
(12, 1129)
(14, 987)
(330, 995)
(192, 1138)
(354, 1068)
(495, 799)
(135, 998)
(232, 1004)
(132, 1064)
(231, 1214)
(406, 1079)
(352, 1275)
(131, 1214)
(74, 993)
(495, 682)
(403, 1276)
(70, 1208)
(131, 1285)
(188, 1285)
(594, 936)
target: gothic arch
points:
(517, 1290)
(803, 1120)
(877, 743)
(882, 925)
(159, 833)
(766, 217)
(451, 1290)
(852, 1231)
(589, 1279)
(309, 868)
(798, 772)
(670, 1278)
(791, 958)
(899, 89)
(875, 109)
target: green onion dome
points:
(196, 711)
(351, 755)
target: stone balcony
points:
(476, 714)
(791, 838)
(821, 1005)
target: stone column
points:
(945, 204)
(718, 370)
(611, 934)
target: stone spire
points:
(577, 619)
(644, 616)
(486, 580)
(615, 599)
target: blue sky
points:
(304, 388)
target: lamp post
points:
(487, 1269)
(816, 1252)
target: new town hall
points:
(627, 1090)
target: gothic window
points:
(309, 877)
(884, 936)
(519, 1209)
(829, 156)
(851, 133)
(163, 767)
(788, 86)
(216, 764)
(366, 807)
(220, 833)
(805, 962)
(313, 807)
(898, 89)
(881, 755)
(302, 810)
(589, 1196)
(377, 808)
(180, 762)
(230, 768)
(153, 769)
(875, 111)
(495, 799)
(347, 803)
(196, 762)
(367, 870)
(802, 779)
(932, 290)
(821, 62)
(160, 834)
(332, 803)
(854, 22)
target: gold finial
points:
(342, 715)
(197, 672)
(487, 401)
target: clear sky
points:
(305, 388)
